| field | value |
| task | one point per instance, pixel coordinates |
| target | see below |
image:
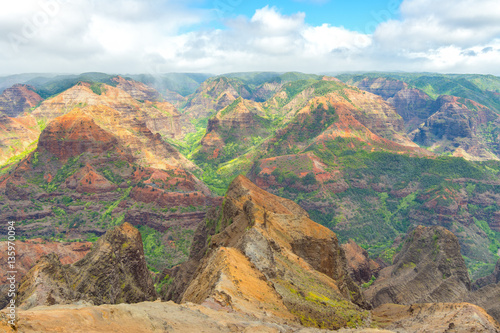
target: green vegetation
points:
(480, 88)
(98, 88)
(369, 283)
(107, 216)
(493, 236)
(11, 162)
(165, 250)
(66, 170)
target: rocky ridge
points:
(114, 271)
(30, 251)
(263, 258)
(456, 126)
(18, 99)
(82, 179)
(361, 268)
(16, 136)
(428, 269)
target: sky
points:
(222, 36)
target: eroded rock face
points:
(237, 123)
(486, 293)
(137, 90)
(456, 126)
(413, 105)
(17, 99)
(437, 317)
(429, 268)
(16, 135)
(381, 86)
(30, 251)
(493, 278)
(487, 297)
(266, 252)
(214, 95)
(146, 317)
(113, 272)
(360, 266)
(73, 134)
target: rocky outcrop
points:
(340, 114)
(267, 256)
(386, 88)
(456, 126)
(493, 278)
(238, 123)
(214, 95)
(429, 268)
(113, 272)
(146, 317)
(435, 317)
(17, 99)
(136, 125)
(361, 268)
(240, 115)
(88, 180)
(378, 116)
(103, 100)
(30, 251)
(211, 96)
(137, 90)
(487, 297)
(17, 135)
(412, 104)
(486, 293)
(73, 134)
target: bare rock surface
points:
(264, 256)
(113, 272)
(429, 268)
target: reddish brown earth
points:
(30, 251)
(267, 257)
(137, 90)
(87, 180)
(448, 125)
(360, 266)
(17, 99)
(83, 179)
(131, 122)
(300, 164)
(413, 105)
(113, 272)
(457, 126)
(238, 123)
(73, 134)
(17, 135)
(159, 117)
(435, 317)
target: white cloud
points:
(87, 35)
(127, 36)
(272, 41)
(444, 35)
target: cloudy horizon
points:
(222, 36)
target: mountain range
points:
(271, 172)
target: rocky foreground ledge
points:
(149, 317)
(259, 264)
